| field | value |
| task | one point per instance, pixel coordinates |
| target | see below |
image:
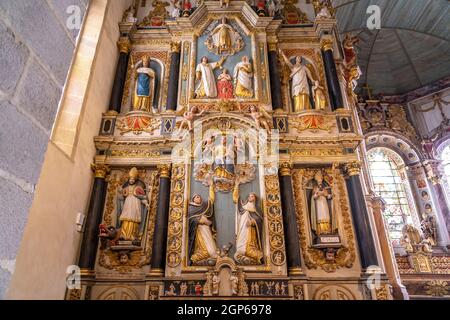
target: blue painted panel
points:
(231, 61)
(225, 209)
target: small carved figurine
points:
(188, 119)
(261, 117)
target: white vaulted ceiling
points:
(412, 48)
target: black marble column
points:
(275, 82)
(360, 215)
(94, 218)
(162, 214)
(174, 74)
(290, 221)
(332, 77)
(115, 101)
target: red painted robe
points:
(224, 87)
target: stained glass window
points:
(390, 182)
(445, 157)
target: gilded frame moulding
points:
(315, 258)
(177, 211)
(275, 251)
(137, 259)
(272, 208)
(314, 152)
(152, 42)
(135, 153)
(265, 81)
(186, 56)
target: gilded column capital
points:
(175, 46)
(327, 44)
(124, 45)
(285, 169)
(100, 170)
(272, 45)
(164, 170)
(353, 168)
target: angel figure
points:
(261, 117)
(189, 117)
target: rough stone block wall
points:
(36, 49)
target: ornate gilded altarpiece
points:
(223, 60)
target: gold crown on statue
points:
(133, 173)
(318, 176)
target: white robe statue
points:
(202, 245)
(243, 75)
(131, 212)
(205, 75)
(300, 87)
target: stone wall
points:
(36, 51)
(51, 241)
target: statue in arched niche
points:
(300, 89)
(145, 85)
(132, 207)
(323, 218)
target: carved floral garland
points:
(176, 212)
